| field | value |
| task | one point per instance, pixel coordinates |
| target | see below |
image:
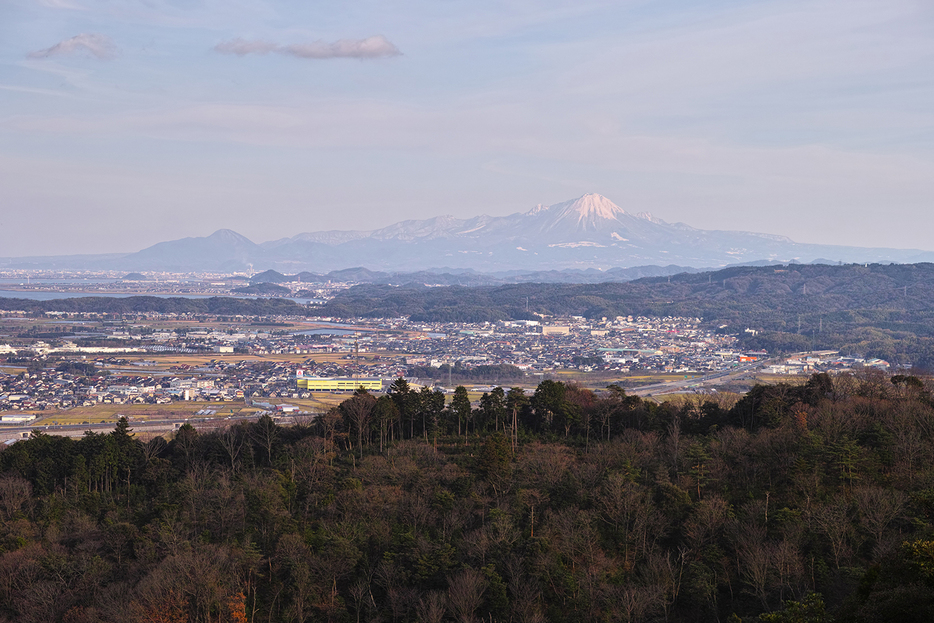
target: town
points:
(64, 361)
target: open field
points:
(176, 410)
(320, 401)
(317, 402)
(111, 412)
(594, 377)
(790, 379)
(600, 380)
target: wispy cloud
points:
(371, 47)
(377, 46)
(35, 91)
(242, 47)
(97, 45)
(60, 4)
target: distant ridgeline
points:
(217, 305)
(879, 310)
(738, 293)
(468, 277)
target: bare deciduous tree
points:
(153, 448)
(709, 517)
(465, 593)
(635, 602)
(431, 608)
(877, 508)
(231, 440)
(15, 492)
(832, 518)
(359, 410)
(265, 432)
(754, 560)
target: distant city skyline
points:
(127, 123)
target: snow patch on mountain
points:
(575, 245)
(651, 218)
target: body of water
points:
(325, 332)
(15, 281)
(334, 325)
(330, 328)
(45, 295)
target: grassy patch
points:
(111, 412)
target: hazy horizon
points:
(131, 123)
(220, 231)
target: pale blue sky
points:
(127, 122)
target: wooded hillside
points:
(562, 505)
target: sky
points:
(128, 122)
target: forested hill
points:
(563, 506)
(765, 294)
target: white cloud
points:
(376, 46)
(371, 47)
(97, 45)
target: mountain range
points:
(589, 232)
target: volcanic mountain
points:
(588, 232)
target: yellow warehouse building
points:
(319, 384)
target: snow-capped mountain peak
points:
(593, 206)
(587, 213)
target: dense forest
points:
(793, 503)
(737, 293)
(876, 310)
